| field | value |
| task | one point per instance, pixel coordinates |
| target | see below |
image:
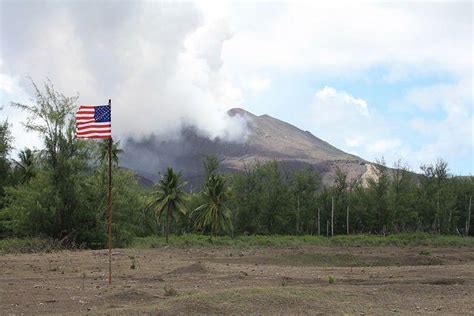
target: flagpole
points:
(109, 201)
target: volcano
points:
(267, 139)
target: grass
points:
(195, 240)
(31, 245)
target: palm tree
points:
(214, 213)
(26, 164)
(103, 151)
(169, 197)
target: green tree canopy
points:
(169, 197)
(214, 213)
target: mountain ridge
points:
(268, 139)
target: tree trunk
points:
(332, 216)
(298, 216)
(437, 212)
(327, 228)
(347, 219)
(319, 221)
(449, 221)
(468, 220)
(167, 224)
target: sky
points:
(376, 79)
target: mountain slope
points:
(268, 139)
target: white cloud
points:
(10, 88)
(382, 146)
(450, 134)
(447, 97)
(340, 119)
(328, 95)
(259, 84)
(168, 64)
(341, 38)
(160, 63)
(344, 120)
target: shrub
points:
(331, 279)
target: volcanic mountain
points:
(267, 139)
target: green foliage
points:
(60, 192)
(214, 213)
(303, 187)
(378, 196)
(401, 240)
(133, 262)
(169, 197)
(5, 170)
(25, 167)
(102, 152)
(211, 165)
(262, 200)
(331, 279)
(63, 157)
(129, 202)
(32, 206)
(32, 245)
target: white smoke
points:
(160, 63)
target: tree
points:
(103, 152)
(214, 213)
(436, 195)
(303, 186)
(340, 196)
(51, 116)
(211, 165)
(169, 197)
(377, 193)
(262, 201)
(401, 199)
(5, 147)
(25, 166)
(129, 203)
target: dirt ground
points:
(296, 280)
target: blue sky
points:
(372, 78)
(287, 93)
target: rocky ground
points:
(297, 280)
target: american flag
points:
(93, 121)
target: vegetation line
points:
(59, 192)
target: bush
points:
(331, 279)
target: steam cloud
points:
(160, 63)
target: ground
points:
(223, 280)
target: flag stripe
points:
(93, 133)
(98, 124)
(85, 121)
(102, 127)
(92, 136)
(85, 132)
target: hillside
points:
(268, 139)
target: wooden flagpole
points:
(109, 200)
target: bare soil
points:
(367, 280)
